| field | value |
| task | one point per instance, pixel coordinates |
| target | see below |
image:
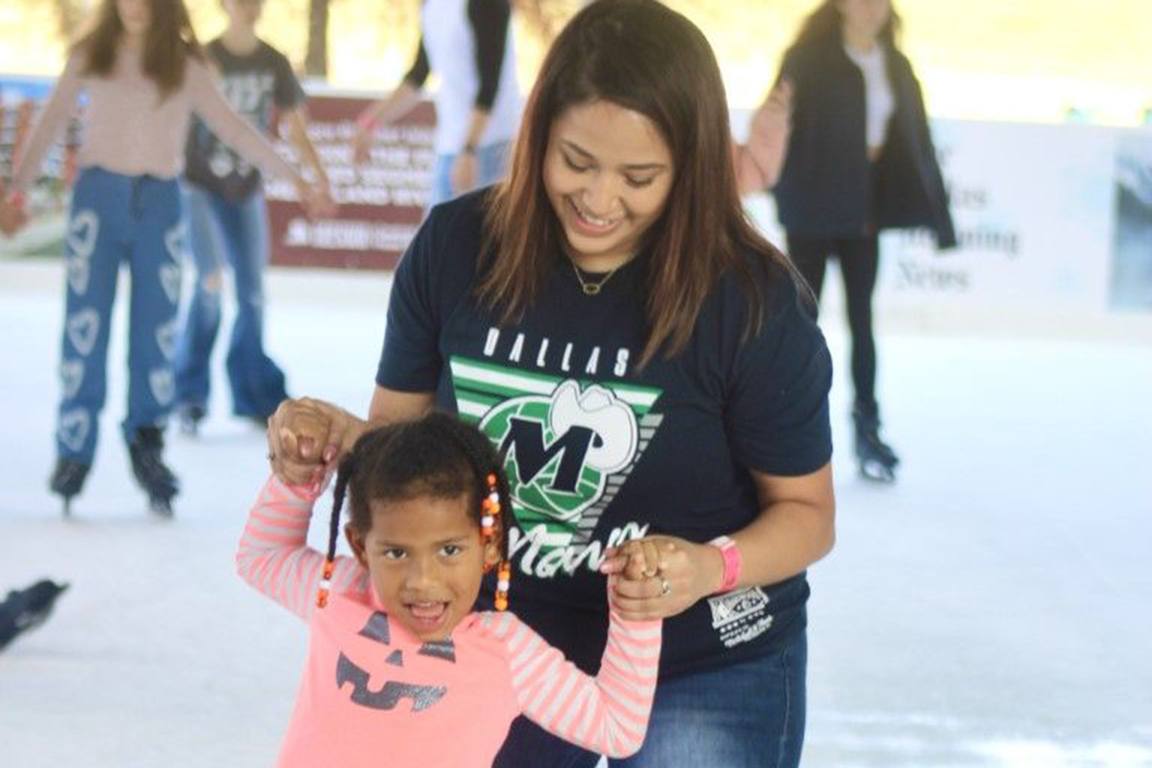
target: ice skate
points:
(67, 481)
(189, 417)
(26, 609)
(876, 458)
(153, 475)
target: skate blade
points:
(877, 472)
(160, 507)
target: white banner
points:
(1049, 217)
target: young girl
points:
(144, 76)
(228, 225)
(401, 670)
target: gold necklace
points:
(591, 288)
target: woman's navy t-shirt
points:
(599, 450)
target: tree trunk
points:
(316, 62)
(68, 18)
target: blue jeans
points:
(491, 163)
(747, 715)
(113, 219)
(225, 234)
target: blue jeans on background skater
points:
(114, 219)
(748, 715)
(491, 163)
(223, 234)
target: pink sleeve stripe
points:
(273, 555)
(608, 713)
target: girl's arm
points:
(60, 107)
(274, 556)
(298, 133)
(608, 713)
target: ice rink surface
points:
(994, 608)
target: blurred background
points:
(993, 608)
(1020, 60)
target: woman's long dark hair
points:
(647, 58)
(824, 24)
(167, 48)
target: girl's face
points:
(135, 16)
(607, 173)
(865, 17)
(426, 558)
(244, 13)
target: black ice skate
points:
(877, 460)
(190, 417)
(153, 475)
(26, 609)
(67, 481)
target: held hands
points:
(660, 576)
(315, 199)
(307, 438)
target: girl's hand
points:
(307, 438)
(660, 576)
(362, 143)
(315, 199)
(12, 215)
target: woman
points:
(613, 322)
(843, 142)
(144, 76)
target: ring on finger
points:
(665, 587)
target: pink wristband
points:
(733, 563)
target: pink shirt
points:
(374, 695)
(128, 129)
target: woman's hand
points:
(660, 576)
(307, 438)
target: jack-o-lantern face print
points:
(426, 558)
(392, 692)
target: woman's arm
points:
(274, 557)
(760, 161)
(298, 133)
(403, 98)
(607, 713)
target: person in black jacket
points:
(843, 142)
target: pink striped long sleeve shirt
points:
(374, 695)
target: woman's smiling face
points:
(608, 173)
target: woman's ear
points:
(356, 542)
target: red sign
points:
(381, 202)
